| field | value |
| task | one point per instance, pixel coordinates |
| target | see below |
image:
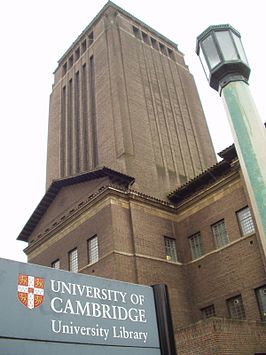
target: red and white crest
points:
(30, 290)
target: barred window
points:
(56, 264)
(261, 299)
(220, 234)
(170, 249)
(93, 250)
(208, 312)
(195, 245)
(73, 260)
(245, 221)
(236, 307)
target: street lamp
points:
(225, 64)
(222, 56)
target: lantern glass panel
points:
(227, 46)
(240, 48)
(210, 51)
(204, 63)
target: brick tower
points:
(123, 97)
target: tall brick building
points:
(134, 191)
(124, 98)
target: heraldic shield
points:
(30, 290)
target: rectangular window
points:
(261, 299)
(73, 260)
(77, 54)
(195, 245)
(236, 307)
(208, 312)
(56, 264)
(171, 53)
(93, 250)
(136, 32)
(145, 37)
(91, 38)
(220, 234)
(154, 43)
(84, 46)
(64, 69)
(162, 48)
(245, 221)
(170, 249)
(70, 61)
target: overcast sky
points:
(35, 34)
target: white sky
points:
(35, 34)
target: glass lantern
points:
(222, 55)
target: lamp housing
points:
(222, 56)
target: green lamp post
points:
(226, 67)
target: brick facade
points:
(131, 228)
(222, 336)
(127, 100)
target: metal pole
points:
(250, 142)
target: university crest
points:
(30, 290)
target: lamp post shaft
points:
(250, 141)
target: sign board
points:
(45, 309)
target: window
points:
(73, 260)
(145, 37)
(84, 46)
(162, 48)
(56, 264)
(64, 69)
(220, 234)
(261, 299)
(208, 312)
(195, 245)
(91, 38)
(77, 54)
(245, 221)
(136, 32)
(154, 43)
(236, 307)
(171, 53)
(70, 61)
(170, 249)
(93, 250)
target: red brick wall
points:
(222, 337)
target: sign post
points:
(164, 318)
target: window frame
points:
(73, 265)
(219, 240)
(262, 311)
(195, 249)
(91, 250)
(242, 222)
(205, 312)
(56, 264)
(236, 312)
(170, 250)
